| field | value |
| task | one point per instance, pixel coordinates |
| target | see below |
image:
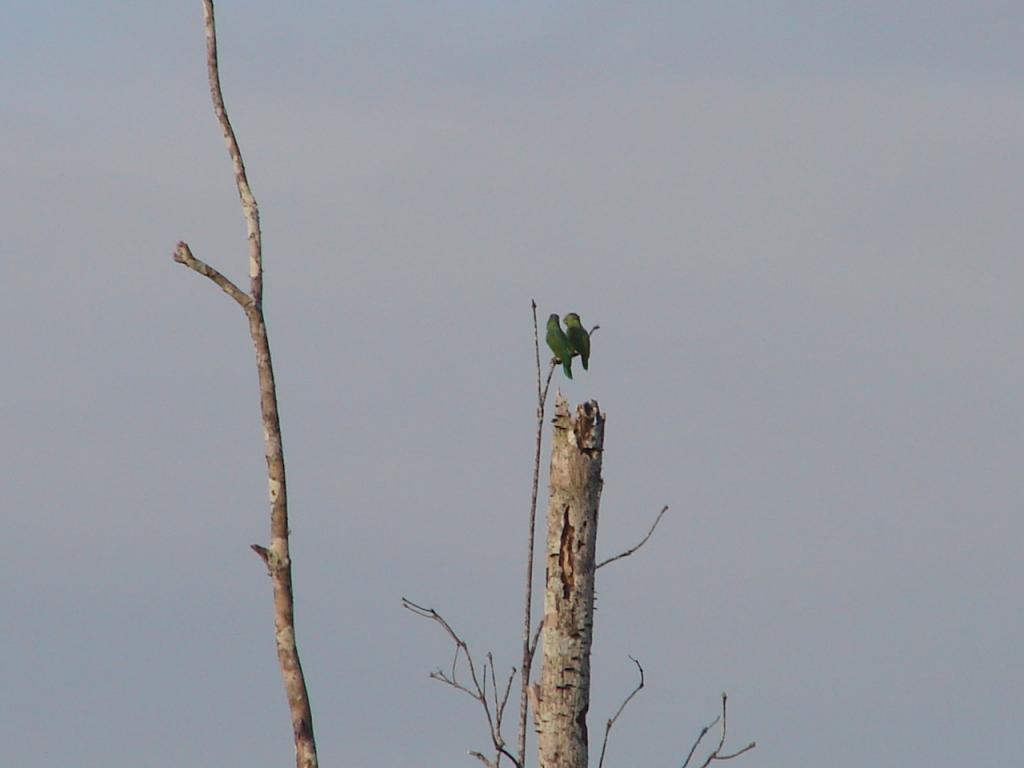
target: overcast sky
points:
(798, 225)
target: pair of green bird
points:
(574, 340)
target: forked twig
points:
(643, 541)
(717, 753)
(611, 721)
(477, 689)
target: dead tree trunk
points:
(563, 696)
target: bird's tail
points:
(567, 367)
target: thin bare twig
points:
(737, 753)
(500, 704)
(643, 541)
(528, 648)
(717, 753)
(611, 721)
(700, 738)
(478, 691)
(536, 638)
(536, 347)
(483, 759)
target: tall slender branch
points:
(277, 556)
(542, 396)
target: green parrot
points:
(578, 337)
(560, 344)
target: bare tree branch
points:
(717, 753)
(611, 721)
(478, 688)
(700, 738)
(536, 348)
(249, 208)
(277, 556)
(183, 255)
(536, 638)
(528, 648)
(483, 759)
(737, 753)
(499, 705)
(643, 541)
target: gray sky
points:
(795, 223)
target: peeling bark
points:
(575, 492)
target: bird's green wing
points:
(580, 341)
(578, 337)
(560, 345)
